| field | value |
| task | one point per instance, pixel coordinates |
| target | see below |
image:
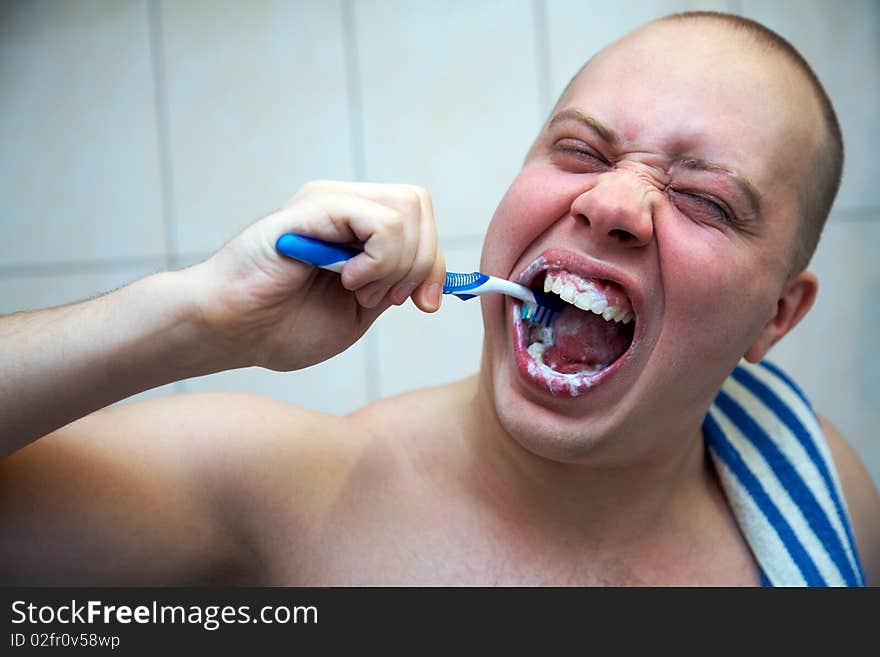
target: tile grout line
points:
(72, 267)
(97, 266)
(353, 90)
(542, 56)
(359, 167)
(163, 131)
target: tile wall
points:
(141, 135)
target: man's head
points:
(821, 184)
(671, 181)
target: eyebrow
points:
(589, 121)
(742, 183)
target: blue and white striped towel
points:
(776, 470)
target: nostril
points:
(622, 235)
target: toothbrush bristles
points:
(542, 310)
(537, 314)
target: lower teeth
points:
(536, 351)
(540, 339)
(543, 339)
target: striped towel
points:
(775, 467)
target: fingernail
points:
(402, 291)
(433, 294)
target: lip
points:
(541, 376)
(580, 265)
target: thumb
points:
(428, 295)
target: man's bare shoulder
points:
(250, 441)
(416, 413)
(862, 499)
(284, 478)
(209, 474)
(225, 425)
(261, 447)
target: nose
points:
(617, 209)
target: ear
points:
(797, 298)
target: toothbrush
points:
(538, 307)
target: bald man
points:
(673, 198)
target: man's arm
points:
(246, 305)
(63, 363)
(862, 500)
(131, 494)
(121, 495)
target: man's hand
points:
(283, 314)
(247, 305)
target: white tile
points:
(450, 100)
(79, 166)
(36, 292)
(833, 354)
(415, 349)
(841, 41)
(578, 30)
(257, 106)
(336, 386)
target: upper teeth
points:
(590, 299)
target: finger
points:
(327, 216)
(420, 242)
(429, 294)
(404, 235)
(345, 219)
(372, 294)
(387, 250)
(426, 254)
(392, 243)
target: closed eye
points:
(575, 155)
(699, 207)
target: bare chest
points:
(450, 549)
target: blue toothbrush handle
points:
(326, 255)
(333, 257)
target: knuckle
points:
(309, 189)
(420, 270)
(419, 191)
(424, 198)
(393, 223)
(409, 199)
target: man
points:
(660, 186)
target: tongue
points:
(583, 340)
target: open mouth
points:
(586, 340)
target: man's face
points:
(662, 186)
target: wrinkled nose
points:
(616, 210)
